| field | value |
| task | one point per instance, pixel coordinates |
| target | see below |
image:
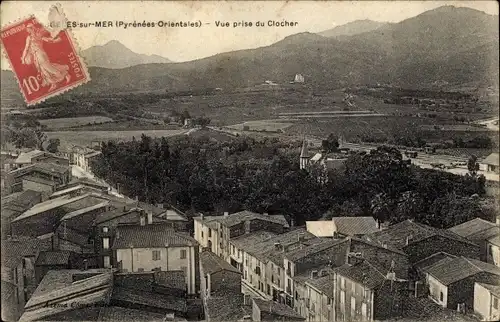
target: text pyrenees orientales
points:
(178, 24)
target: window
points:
(495, 303)
(107, 261)
(441, 296)
(246, 277)
(105, 243)
(278, 283)
(268, 289)
(143, 220)
(342, 283)
(183, 254)
(353, 306)
(353, 288)
(202, 234)
(156, 255)
(105, 229)
(232, 249)
(272, 278)
(342, 298)
(366, 294)
(279, 271)
(209, 232)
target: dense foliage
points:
(209, 176)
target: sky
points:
(184, 44)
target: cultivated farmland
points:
(66, 122)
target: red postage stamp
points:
(45, 63)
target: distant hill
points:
(353, 28)
(115, 55)
(447, 44)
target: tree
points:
(202, 121)
(473, 165)
(331, 144)
(53, 145)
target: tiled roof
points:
(432, 260)
(14, 249)
(153, 235)
(318, 246)
(212, 263)
(145, 298)
(98, 283)
(449, 271)
(277, 309)
(156, 211)
(472, 227)
(227, 308)
(53, 258)
(363, 273)
(112, 214)
(40, 180)
(491, 159)
(65, 191)
(494, 289)
(323, 284)
(266, 250)
(247, 240)
(351, 226)
(48, 205)
(116, 313)
(397, 234)
(85, 210)
(242, 216)
(51, 168)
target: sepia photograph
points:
(220, 161)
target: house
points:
(218, 276)
(220, 288)
(216, 231)
(493, 250)
(343, 226)
(490, 163)
(266, 310)
(242, 243)
(38, 184)
(37, 156)
(152, 247)
(18, 273)
(263, 261)
(14, 205)
(451, 280)
(420, 241)
(421, 266)
(364, 293)
(43, 218)
(486, 298)
(104, 227)
(58, 174)
(478, 231)
(83, 157)
(320, 296)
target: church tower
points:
(304, 155)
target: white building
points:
(156, 247)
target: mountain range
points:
(353, 28)
(115, 55)
(447, 44)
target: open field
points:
(263, 125)
(66, 122)
(84, 138)
(123, 125)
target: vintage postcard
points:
(322, 161)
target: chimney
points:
(292, 223)
(136, 198)
(314, 274)
(201, 216)
(408, 239)
(85, 265)
(150, 218)
(226, 213)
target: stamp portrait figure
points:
(51, 73)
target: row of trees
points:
(207, 176)
(28, 133)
